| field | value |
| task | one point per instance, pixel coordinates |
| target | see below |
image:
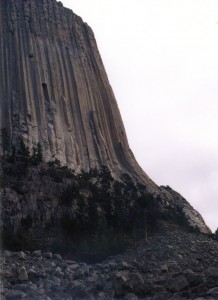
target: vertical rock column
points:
(54, 88)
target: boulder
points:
(37, 253)
(15, 294)
(47, 255)
(164, 268)
(124, 281)
(177, 283)
(23, 276)
(212, 272)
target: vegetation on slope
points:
(90, 214)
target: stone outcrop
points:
(54, 90)
(180, 208)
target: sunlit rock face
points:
(54, 90)
(180, 208)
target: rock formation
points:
(87, 198)
(54, 88)
(54, 91)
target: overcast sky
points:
(161, 57)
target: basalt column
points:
(54, 88)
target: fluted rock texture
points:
(54, 90)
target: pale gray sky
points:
(161, 57)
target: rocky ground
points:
(173, 264)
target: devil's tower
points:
(54, 91)
(54, 88)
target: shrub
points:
(24, 153)
(216, 235)
(6, 143)
(3, 182)
(37, 155)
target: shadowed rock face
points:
(54, 90)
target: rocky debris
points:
(172, 265)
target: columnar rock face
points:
(54, 90)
